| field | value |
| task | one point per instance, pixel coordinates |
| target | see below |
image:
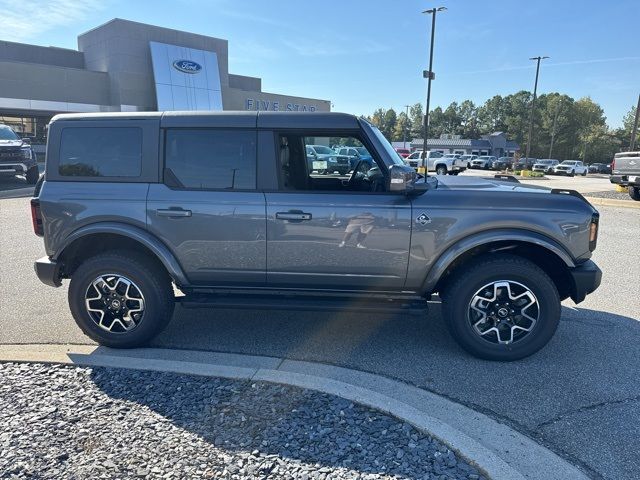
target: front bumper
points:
(16, 168)
(586, 279)
(624, 180)
(48, 271)
(562, 172)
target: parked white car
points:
(485, 162)
(437, 162)
(468, 159)
(570, 168)
(545, 165)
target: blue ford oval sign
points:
(187, 66)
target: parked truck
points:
(625, 171)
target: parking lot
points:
(579, 395)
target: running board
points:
(411, 305)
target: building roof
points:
(453, 142)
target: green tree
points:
(402, 130)
(389, 123)
(416, 115)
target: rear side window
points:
(100, 152)
(212, 159)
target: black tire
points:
(153, 283)
(572, 173)
(584, 174)
(33, 174)
(459, 292)
(634, 192)
(441, 170)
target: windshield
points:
(362, 151)
(7, 134)
(393, 155)
(544, 162)
(567, 162)
(323, 150)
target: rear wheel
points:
(121, 299)
(501, 307)
(441, 170)
(634, 192)
(32, 175)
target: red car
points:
(403, 152)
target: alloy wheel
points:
(114, 303)
(503, 312)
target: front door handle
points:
(173, 212)
(294, 215)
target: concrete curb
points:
(495, 448)
(612, 202)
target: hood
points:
(486, 184)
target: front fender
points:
(440, 266)
(141, 236)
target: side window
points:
(327, 170)
(100, 152)
(211, 159)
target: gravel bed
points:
(77, 423)
(609, 194)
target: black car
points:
(600, 168)
(16, 156)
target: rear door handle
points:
(173, 212)
(293, 215)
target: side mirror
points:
(402, 178)
(26, 140)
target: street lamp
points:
(533, 103)
(429, 75)
(404, 133)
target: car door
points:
(207, 209)
(331, 237)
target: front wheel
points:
(121, 299)
(572, 173)
(634, 192)
(584, 174)
(502, 307)
(441, 170)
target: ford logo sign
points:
(187, 66)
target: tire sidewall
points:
(158, 308)
(535, 280)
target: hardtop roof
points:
(228, 119)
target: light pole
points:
(429, 75)
(404, 131)
(533, 103)
(634, 132)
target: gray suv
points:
(224, 208)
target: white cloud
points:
(21, 21)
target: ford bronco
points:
(143, 210)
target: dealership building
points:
(125, 66)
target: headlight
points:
(26, 153)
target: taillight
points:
(593, 231)
(613, 164)
(36, 217)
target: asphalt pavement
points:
(580, 395)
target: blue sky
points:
(367, 54)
